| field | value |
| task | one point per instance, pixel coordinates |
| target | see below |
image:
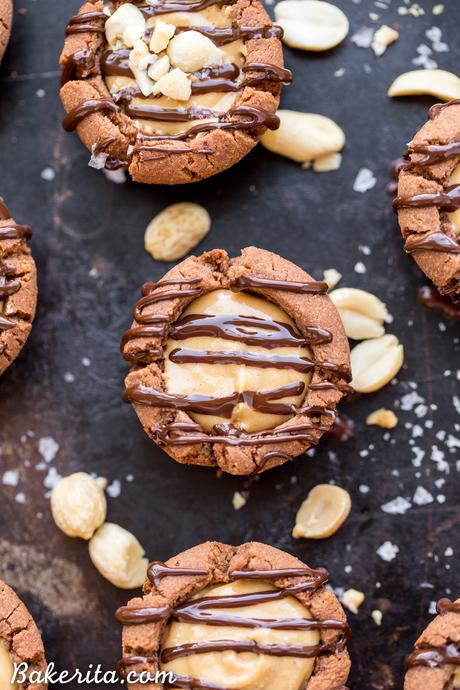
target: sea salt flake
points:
(10, 478)
(363, 37)
(398, 506)
(52, 478)
(388, 551)
(422, 497)
(114, 489)
(48, 448)
(365, 180)
(359, 267)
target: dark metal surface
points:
(88, 242)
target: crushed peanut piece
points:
(322, 513)
(332, 277)
(162, 34)
(127, 24)
(192, 51)
(383, 38)
(239, 501)
(175, 84)
(352, 599)
(377, 616)
(159, 68)
(176, 231)
(139, 61)
(328, 163)
(382, 417)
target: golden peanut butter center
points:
(6, 668)
(455, 216)
(220, 380)
(245, 670)
(231, 53)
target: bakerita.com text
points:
(93, 675)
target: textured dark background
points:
(88, 243)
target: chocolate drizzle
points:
(152, 8)
(93, 105)
(432, 242)
(313, 287)
(430, 298)
(434, 153)
(448, 199)
(197, 611)
(86, 22)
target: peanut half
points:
(78, 505)
(362, 313)
(304, 137)
(311, 24)
(433, 82)
(118, 556)
(176, 231)
(375, 362)
(322, 513)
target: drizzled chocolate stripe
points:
(313, 287)
(434, 657)
(188, 433)
(435, 153)
(86, 22)
(151, 9)
(229, 327)
(15, 232)
(185, 355)
(222, 36)
(151, 296)
(448, 199)
(290, 650)
(446, 605)
(433, 242)
(93, 105)
(221, 407)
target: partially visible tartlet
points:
(171, 91)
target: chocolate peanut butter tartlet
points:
(20, 642)
(172, 90)
(435, 662)
(237, 363)
(428, 201)
(18, 287)
(250, 617)
(6, 21)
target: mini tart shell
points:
(330, 671)
(444, 629)
(6, 21)
(20, 306)
(443, 268)
(217, 271)
(228, 146)
(18, 629)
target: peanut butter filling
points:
(225, 379)
(229, 54)
(245, 670)
(455, 216)
(6, 668)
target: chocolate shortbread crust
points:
(219, 563)
(6, 21)
(143, 346)
(18, 288)
(167, 160)
(18, 630)
(436, 656)
(424, 198)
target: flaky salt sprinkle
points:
(388, 551)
